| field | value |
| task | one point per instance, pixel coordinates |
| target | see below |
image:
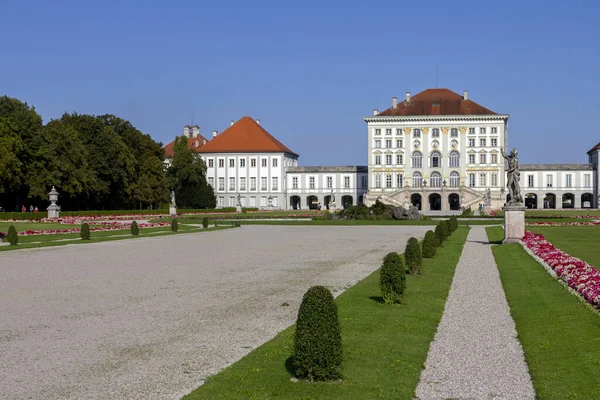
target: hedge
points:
(392, 278)
(430, 245)
(413, 256)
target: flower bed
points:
(109, 226)
(583, 223)
(578, 275)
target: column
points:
(577, 199)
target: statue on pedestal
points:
(173, 206)
(513, 176)
(173, 199)
(487, 197)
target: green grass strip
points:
(427, 222)
(579, 241)
(560, 336)
(385, 347)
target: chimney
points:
(375, 111)
(465, 95)
(204, 141)
(186, 131)
(215, 133)
(231, 123)
(258, 121)
(407, 97)
(196, 130)
(394, 102)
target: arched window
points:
(417, 179)
(435, 179)
(417, 159)
(454, 179)
(454, 159)
(436, 159)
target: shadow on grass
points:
(377, 299)
(289, 366)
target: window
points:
(494, 158)
(388, 181)
(274, 183)
(221, 162)
(329, 182)
(263, 183)
(436, 159)
(378, 144)
(295, 182)
(482, 131)
(454, 179)
(549, 180)
(399, 143)
(388, 131)
(587, 179)
(454, 132)
(482, 179)
(378, 131)
(263, 201)
(231, 184)
(482, 158)
(568, 180)
(377, 180)
(417, 179)
(399, 131)
(388, 144)
(417, 159)
(221, 184)
(231, 201)
(263, 162)
(364, 182)
(494, 130)
(231, 162)
(530, 181)
(472, 131)
(454, 159)
(253, 164)
(275, 162)
(471, 180)
(471, 142)
(253, 183)
(482, 142)
(346, 182)
(388, 159)
(399, 180)
(435, 179)
(399, 159)
(311, 182)
(494, 142)
(243, 183)
(494, 179)
(377, 160)
(221, 201)
(242, 162)
(211, 163)
(435, 132)
(417, 133)
(471, 158)
(253, 201)
(211, 181)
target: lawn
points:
(385, 347)
(34, 226)
(558, 333)
(354, 222)
(578, 241)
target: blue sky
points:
(309, 70)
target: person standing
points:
(23, 209)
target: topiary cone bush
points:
(174, 225)
(205, 222)
(413, 255)
(441, 232)
(12, 236)
(85, 231)
(318, 339)
(392, 278)
(135, 230)
(453, 225)
(429, 245)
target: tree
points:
(151, 186)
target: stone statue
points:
(239, 200)
(487, 197)
(173, 199)
(513, 175)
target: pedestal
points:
(53, 211)
(238, 209)
(487, 210)
(172, 211)
(514, 223)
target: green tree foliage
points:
(453, 223)
(12, 236)
(318, 338)
(187, 174)
(413, 255)
(135, 230)
(174, 225)
(85, 231)
(392, 278)
(429, 245)
(205, 222)
(441, 232)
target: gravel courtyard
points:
(151, 318)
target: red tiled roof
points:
(596, 147)
(436, 102)
(245, 136)
(194, 143)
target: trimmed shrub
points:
(174, 225)
(441, 232)
(205, 222)
(453, 224)
(392, 278)
(12, 236)
(85, 231)
(318, 339)
(135, 230)
(429, 245)
(413, 256)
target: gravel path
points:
(475, 353)
(151, 318)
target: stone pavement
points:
(476, 353)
